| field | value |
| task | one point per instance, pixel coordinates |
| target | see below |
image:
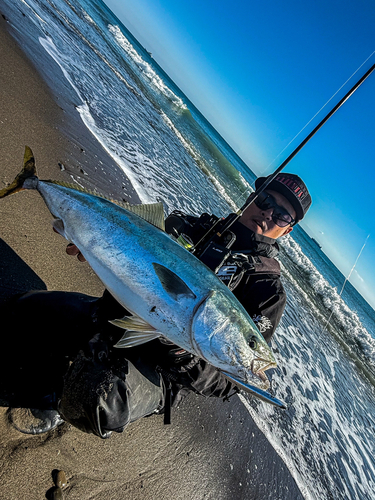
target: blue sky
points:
(259, 71)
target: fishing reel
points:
(211, 247)
(217, 251)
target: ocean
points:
(171, 153)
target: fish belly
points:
(121, 248)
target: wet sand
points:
(212, 449)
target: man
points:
(99, 390)
(252, 271)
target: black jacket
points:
(251, 270)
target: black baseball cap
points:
(293, 188)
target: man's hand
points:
(71, 249)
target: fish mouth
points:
(263, 377)
(259, 366)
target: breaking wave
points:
(145, 67)
(337, 317)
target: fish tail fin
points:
(28, 171)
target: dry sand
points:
(212, 450)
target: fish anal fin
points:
(172, 284)
(137, 332)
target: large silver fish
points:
(169, 292)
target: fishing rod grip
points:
(215, 231)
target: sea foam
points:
(336, 309)
(145, 67)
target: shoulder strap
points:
(266, 265)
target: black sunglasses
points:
(280, 216)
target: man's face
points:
(260, 221)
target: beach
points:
(212, 449)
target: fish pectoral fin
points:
(27, 171)
(132, 339)
(134, 323)
(255, 391)
(172, 284)
(137, 332)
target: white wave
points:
(111, 147)
(34, 12)
(198, 159)
(346, 318)
(278, 447)
(248, 187)
(88, 18)
(187, 145)
(317, 424)
(60, 59)
(145, 67)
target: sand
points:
(212, 449)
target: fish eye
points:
(253, 342)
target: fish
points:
(167, 290)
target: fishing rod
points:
(223, 225)
(343, 286)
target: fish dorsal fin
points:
(150, 212)
(137, 332)
(172, 284)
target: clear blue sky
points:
(259, 71)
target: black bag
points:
(104, 392)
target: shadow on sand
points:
(15, 275)
(16, 278)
